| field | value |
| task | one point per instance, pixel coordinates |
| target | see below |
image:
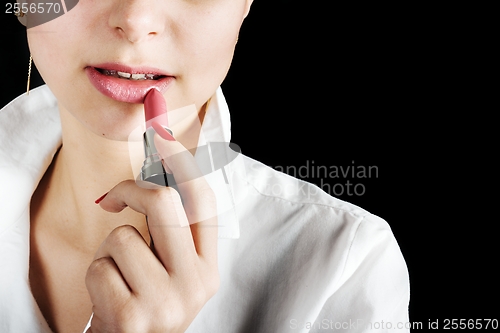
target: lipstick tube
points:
(152, 169)
(155, 109)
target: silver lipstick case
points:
(152, 169)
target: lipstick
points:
(155, 110)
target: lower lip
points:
(123, 90)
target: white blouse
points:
(291, 257)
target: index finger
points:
(198, 198)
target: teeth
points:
(130, 76)
(125, 75)
(138, 76)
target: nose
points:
(136, 20)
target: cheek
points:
(44, 50)
(215, 46)
(53, 51)
(207, 57)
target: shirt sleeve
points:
(373, 292)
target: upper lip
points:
(131, 69)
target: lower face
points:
(101, 58)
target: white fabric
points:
(304, 261)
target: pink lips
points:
(123, 90)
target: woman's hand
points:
(132, 288)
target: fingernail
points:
(100, 198)
(162, 131)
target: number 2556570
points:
(33, 8)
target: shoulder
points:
(27, 121)
(302, 214)
(330, 254)
(277, 187)
(39, 100)
(30, 133)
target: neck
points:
(87, 166)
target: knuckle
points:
(122, 236)
(166, 195)
(127, 316)
(99, 268)
(133, 320)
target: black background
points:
(381, 86)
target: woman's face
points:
(190, 43)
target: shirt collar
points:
(227, 164)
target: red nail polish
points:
(100, 198)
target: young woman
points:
(74, 238)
